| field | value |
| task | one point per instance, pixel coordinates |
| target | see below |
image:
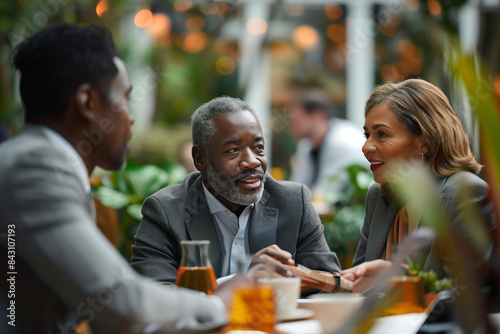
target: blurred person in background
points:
(231, 201)
(326, 144)
(411, 123)
(60, 269)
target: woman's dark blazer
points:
(458, 193)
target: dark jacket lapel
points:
(262, 225)
(382, 221)
(200, 226)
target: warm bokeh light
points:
(221, 44)
(278, 173)
(143, 18)
(390, 73)
(294, 10)
(225, 65)
(280, 49)
(405, 46)
(412, 5)
(256, 26)
(496, 84)
(195, 23)
(101, 8)
(434, 7)
(305, 37)
(160, 25)
(224, 45)
(336, 32)
(389, 28)
(334, 60)
(220, 9)
(333, 12)
(182, 5)
(404, 69)
(411, 58)
(193, 42)
(380, 52)
(234, 50)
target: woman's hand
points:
(364, 276)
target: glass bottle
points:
(195, 270)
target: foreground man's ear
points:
(85, 101)
(199, 158)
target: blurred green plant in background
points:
(126, 190)
(347, 196)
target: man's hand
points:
(271, 258)
(364, 276)
(277, 254)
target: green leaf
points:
(134, 211)
(364, 180)
(147, 180)
(121, 182)
(177, 174)
(111, 198)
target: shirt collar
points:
(73, 159)
(213, 203)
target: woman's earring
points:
(422, 155)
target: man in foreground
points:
(231, 201)
(60, 268)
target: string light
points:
(143, 18)
(182, 5)
(434, 7)
(305, 37)
(101, 8)
(225, 65)
(256, 26)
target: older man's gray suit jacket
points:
(381, 211)
(284, 216)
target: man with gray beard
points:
(231, 201)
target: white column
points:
(360, 58)
(258, 95)
(255, 74)
(144, 78)
(468, 30)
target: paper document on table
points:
(321, 280)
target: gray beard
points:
(229, 190)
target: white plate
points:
(297, 314)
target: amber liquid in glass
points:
(197, 278)
(253, 309)
(407, 296)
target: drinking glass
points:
(253, 305)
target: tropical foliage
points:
(126, 190)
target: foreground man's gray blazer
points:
(64, 269)
(284, 216)
(381, 211)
